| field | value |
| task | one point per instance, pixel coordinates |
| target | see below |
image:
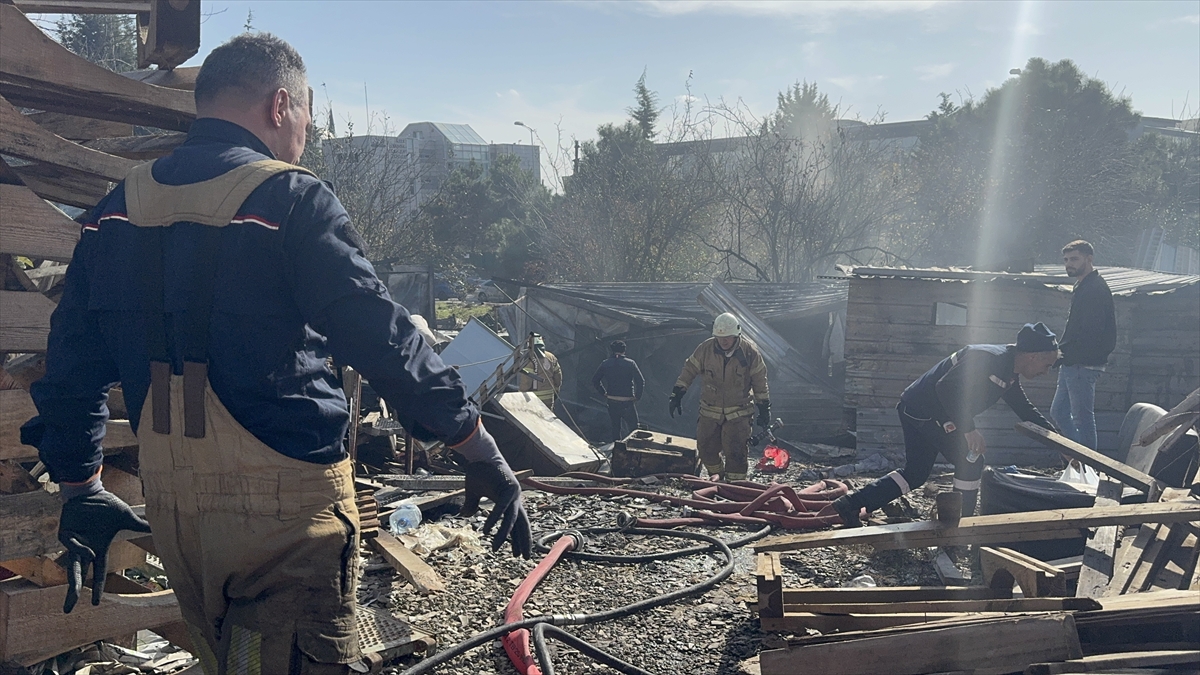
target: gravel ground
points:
(712, 633)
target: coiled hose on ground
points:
(548, 625)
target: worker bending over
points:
(731, 368)
(620, 382)
(937, 414)
(542, 375)
(213, 284)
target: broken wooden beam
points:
(31, 227)
(800, 596)
(1106, 662)
(979, 645)
(33, 627)
(994, 529)
(410, 565)
(1101, 547)
(1003, 566)
(37, 72)
(141, 148)
(951, 606)
(23, 138)
(947, 571)
(1118, 470)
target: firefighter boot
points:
(870, 497)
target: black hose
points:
(470, 643)
(541, 546)
(585, 647)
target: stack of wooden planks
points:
(67, 133)
(1136, 601)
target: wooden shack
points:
(900, 322)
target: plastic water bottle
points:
(407, 516)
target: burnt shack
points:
(797, 326)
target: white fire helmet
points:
(726, 325)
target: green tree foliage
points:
(633, 211)
(645, 113)
(1041, 160)
(108, 40)
(487, 219)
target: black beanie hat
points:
(1036, 337)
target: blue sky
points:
(573, 64)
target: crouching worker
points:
(213, 284)
(937, 416)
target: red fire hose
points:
(738, 503)
(516, 643)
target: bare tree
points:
(801, 191)
(376, 177)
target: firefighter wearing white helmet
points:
(735, 382)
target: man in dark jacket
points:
(620, 382)
(1090, 336)
(213, 284)
(937, 415)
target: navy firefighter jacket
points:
(968, 382)
(292, 287)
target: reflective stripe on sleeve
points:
(904, 487)
(965, 485)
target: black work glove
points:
(86, 528)
(488, 475)
(676, 404)
(764, 414)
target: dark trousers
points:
(924, 440)
(622, 410)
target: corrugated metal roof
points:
(459, 133)
(657, 303)
(1121, 280)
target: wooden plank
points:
(1130, 558)
(83, 6)
(37, 72)
(953, 606)
(800, 596)
(769, 583)
(141, 148)
(39, 570)
(1153, 557)
(798, 622)
(1105, 662)
(76, 128)
(1000, 528)
(423, 577)
(53, 183)
(1001, 569)
(22, 138)
(24, 321)
(1001, 645)
(31, 227)
(35, 628)
(1118, 470)
(1101, 547)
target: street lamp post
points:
(532, 131)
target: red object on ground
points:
(516, 643)
(774, 458)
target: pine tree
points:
(108, 40)
(645, 113)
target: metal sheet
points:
(553, 438)
(476, 353)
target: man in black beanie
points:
(620, 382)
(937, 415)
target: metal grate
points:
(379, 631)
